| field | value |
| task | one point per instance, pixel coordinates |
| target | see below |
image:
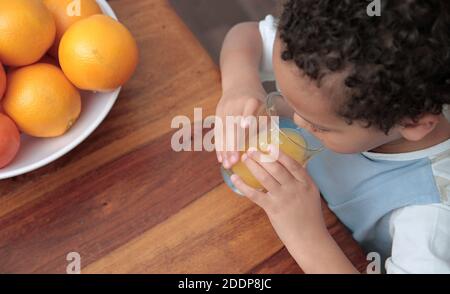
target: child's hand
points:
(236, 103)
(292, 202)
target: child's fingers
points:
(230, 155)
(295, 168)
(224, 159)
(249, 110)
(232, 158)
(266, 179)
(261, 199)
(245, 116)
(221, 139)
(234, 139)
(239, 138)
(275, 168)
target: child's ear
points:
(415, 131)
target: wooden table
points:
(125, 201)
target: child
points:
(374, 91)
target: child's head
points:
(358, 82)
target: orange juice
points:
(290, 142)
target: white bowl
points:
(36, 152)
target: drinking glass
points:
(272, 124)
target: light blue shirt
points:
(363, 192)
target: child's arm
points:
(321, 255)
(242, 91)
(240, 58)
(293, 206)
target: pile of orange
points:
(39, 94)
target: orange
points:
(27, 30)
(9, 140)
(66, 13)
(41, 100)
(2, 81)
(98, 53)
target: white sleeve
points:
(268, 31)
(421, 240)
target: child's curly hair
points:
(399, 62)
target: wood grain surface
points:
(125, 201)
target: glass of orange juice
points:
(273, 124)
